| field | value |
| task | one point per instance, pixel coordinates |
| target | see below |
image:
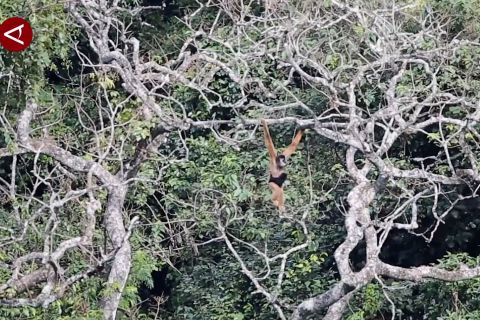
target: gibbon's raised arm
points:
(268, 142)
(293, 146)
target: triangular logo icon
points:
(19, 29)
(15, 34)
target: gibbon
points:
(277, 165)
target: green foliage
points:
(358, 315)
(433, 299)
(454, 261)
(81, 302)
(204, 292)
(463, 15)
(142, 266)
(368, 303)
(372, 299)
(461, 315)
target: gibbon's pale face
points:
(281, 161)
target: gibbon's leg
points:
(281, 200)
(277, 196)
(293, 146)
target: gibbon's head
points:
(281, 161)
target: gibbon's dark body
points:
(278, 180)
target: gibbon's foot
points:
(277, 205)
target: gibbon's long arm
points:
(269, 143)
(293, 146)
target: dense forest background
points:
(133, 171)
